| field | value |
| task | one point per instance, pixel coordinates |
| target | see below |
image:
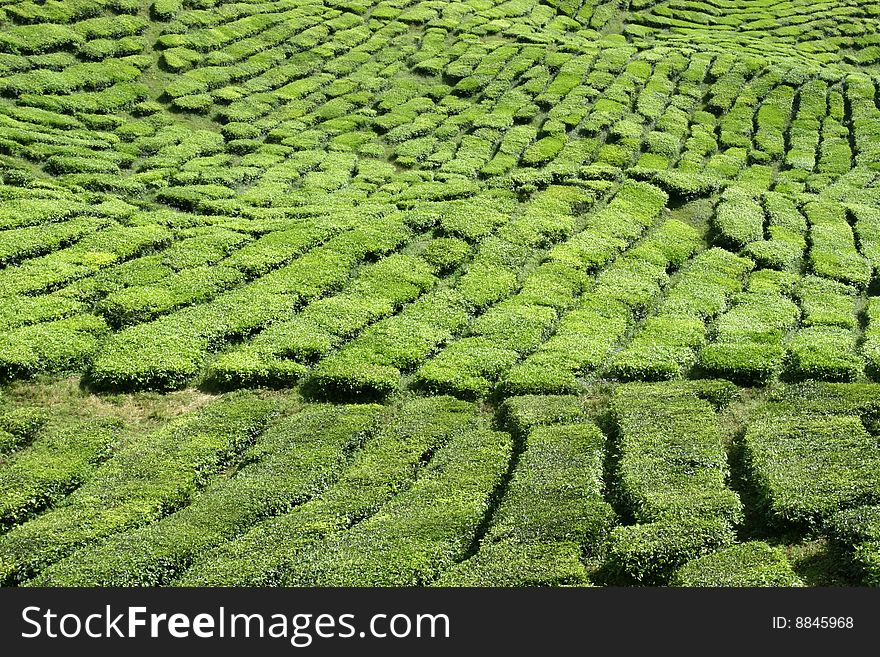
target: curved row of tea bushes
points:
(668, 341)
(786, 232)
(19, 427)
(833, 252)
(387, 466)
(586, 334)
(91, 254)
(167, 352)
(21, 243)
(871, 345)
(552, 515)
(284, 350)
(411, 540)
(295, 459)
(825, 345)
(857, 532)
(507, 331)
(744, 565)
(748, 342)
(62, 345)
(372, 362)
(738, 218)
(671, 475)
(805, 468)
(860, 92)
(867, 230)
(141, 482)
(44, 472)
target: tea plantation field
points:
(439, 293)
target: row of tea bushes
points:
(670, 475)
(385, 467)
(552, 517)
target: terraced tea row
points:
(247, 491)
(515, 255)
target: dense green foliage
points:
(806, 468)
(747, 564)
(671, 470)
(552, 511)
(410, 292)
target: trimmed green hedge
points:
(671, 475)
(857, 399)
(663, 349)
(738, 218)
(143, 480)
(280, 355)
(88, 256)
(61, 345)
(667, 343)
(292, 461)
(871, 346)
(514, 564)
(20, 243)
(867, 228)
(371, 364)
(40, 38)
(650, 553)
(586, 334)
(805, 468)
(749, 363)
(672, 463)
(824, 352)
(857, 532)
(412, 539)
(472, 365)
(556, 491)
(518, 326)
(748, 343)
(279, 247)
(385, 467)
(521, 414)
(468, 367)
(827, 303)
(855, 525)
(137, 304)
(43, 473)
(833, 251)
(746, 564)
(20, 426)
(167, 352)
